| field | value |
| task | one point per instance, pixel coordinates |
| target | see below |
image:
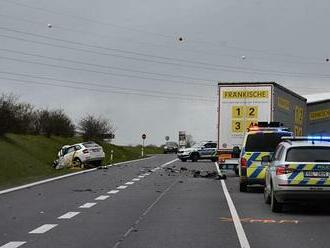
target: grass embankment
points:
(27, 158)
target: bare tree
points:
(95, 128)
(53, 122)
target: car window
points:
(264, 142)
(70, 149)
(279, 153)
(90, 144)
(308, 154)
(210, 145)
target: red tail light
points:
(243, 162)
(85, 151)
(283, 169)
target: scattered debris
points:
(82, 190)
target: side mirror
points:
(265, 160)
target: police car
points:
(258, 142)
(299, 170)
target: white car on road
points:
(81, 155)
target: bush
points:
(95, 128)
(54, 122)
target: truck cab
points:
(259, 141)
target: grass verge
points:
(27, 158)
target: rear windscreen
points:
(308, 154)
(263, 142)
(90, 144)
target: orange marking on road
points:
(262, 221)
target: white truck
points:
(244, 104)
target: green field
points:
(27, 158)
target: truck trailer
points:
(318, 114)
(242, 105)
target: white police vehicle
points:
(202, 150)
(299, 170)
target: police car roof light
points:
(307, 138)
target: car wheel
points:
(236, 171)
(183, 159)
(242, 186)
(77, 163)
(194, 157)
(266, 196)
(274, 204)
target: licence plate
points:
(317, 174)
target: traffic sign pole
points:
(144, 136)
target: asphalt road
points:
(163, 205)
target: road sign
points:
(144, 136)
(167, 138)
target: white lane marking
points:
(68, 215)
(237, 223)
(13, 244)
(113, 191)
(43, 229)
(88, 205)
(102, 197)
(147, 174)
(129, 183)
(116, 245)
(136, 179)
(64, 176)
(168, 163)
(122, 187)
(141, 176)
(218, 169)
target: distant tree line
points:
(23, 118)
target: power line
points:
(201, 63)
(104, 85)
(104, 66)
(259, 72)
(104, 91)
(99, 72)
(185, 49)
(222, 67)
(62, 13)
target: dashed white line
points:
(68, 215)
(141, 176)
(43, 229)
(129, 183)
(147, 174)
(102, 197)
(136, 179)
(88, 205)
(113, 191)
(13, 244)
(122, 187)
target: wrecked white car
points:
(86, 154)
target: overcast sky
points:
(124, 59)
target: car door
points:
(68, 156)
(208, 149)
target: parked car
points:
(298, 171)
(171, 147)
(86, 154)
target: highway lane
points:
(163, 208)
(302, 225)
(144, 205)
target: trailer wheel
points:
(242, 186)
(236, 171)
(194, 157)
